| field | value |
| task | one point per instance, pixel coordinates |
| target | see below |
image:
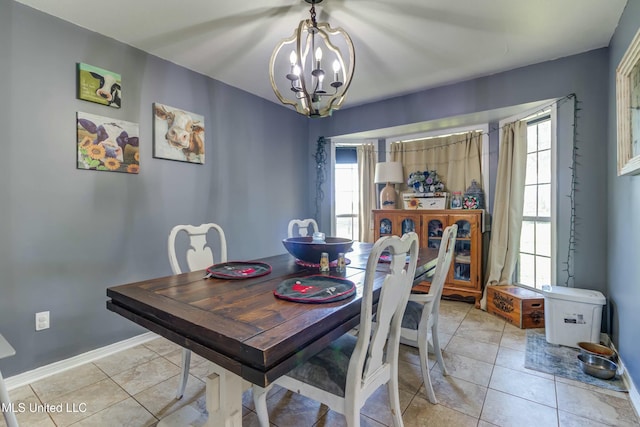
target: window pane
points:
(544, 200)
(543, 238)
(527, 270)
(532, 169)
(346, 200)
(544, 135)
(527, 237)
(543, 271)
(343, 176)
(347, 227)
(544, 166)
(532, 140)
(344, 204)
(530, 200)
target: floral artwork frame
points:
(178, 134)
(99, 85)
(106, 144)
(628, 109)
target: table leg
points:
(224, 399)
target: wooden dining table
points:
(251, 336)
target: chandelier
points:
(297, 63)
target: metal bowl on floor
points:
(591, 348)
(597, 366)
(305, 249)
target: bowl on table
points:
(305, 249)
(597, 366)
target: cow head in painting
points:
(112, 137)
(109, 89)
(182, 131)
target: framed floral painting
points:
(106, 144)
(628, 109)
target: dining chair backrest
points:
(445, 255)
(199, 254)
(420, 321)
(305, 227)
(369, 355)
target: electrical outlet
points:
(42, 320)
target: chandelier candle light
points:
(391, 173)
(297, 63)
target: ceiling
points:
(402, 46)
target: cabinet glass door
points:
(408, 225)
(386, 227)
(435, 227)
(463, 254)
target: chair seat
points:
(412, 315)
(327, 370)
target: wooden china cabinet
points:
(465, 275)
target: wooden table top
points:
(240, 324)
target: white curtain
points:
(367, 159)
(456, 158)
(508, 206)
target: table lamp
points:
(391, 173)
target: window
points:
(535, 257)
(347, 194)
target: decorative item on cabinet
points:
(429, 201)
(473, 197)
(456, 200)
(389, 173)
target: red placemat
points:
(315, 289)
(238, 270)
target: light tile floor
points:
(487, 386)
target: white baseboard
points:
(634, 397)
(75, 361)
(633, 393)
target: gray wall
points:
(623, 199)
(68, 234)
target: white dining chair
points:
(7, 409)
(420, 320)
(199, 256)
(305, 227)
(350, 369)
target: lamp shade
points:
(388, 172)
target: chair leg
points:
(394, 400)
(9, 415)
(423, 346)
(436, 348)
(186, 362)
(260, 402)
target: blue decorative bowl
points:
(304, 249)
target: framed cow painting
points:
(106, 144)
(100, 86)
(177, 134)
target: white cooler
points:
(572, 315)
